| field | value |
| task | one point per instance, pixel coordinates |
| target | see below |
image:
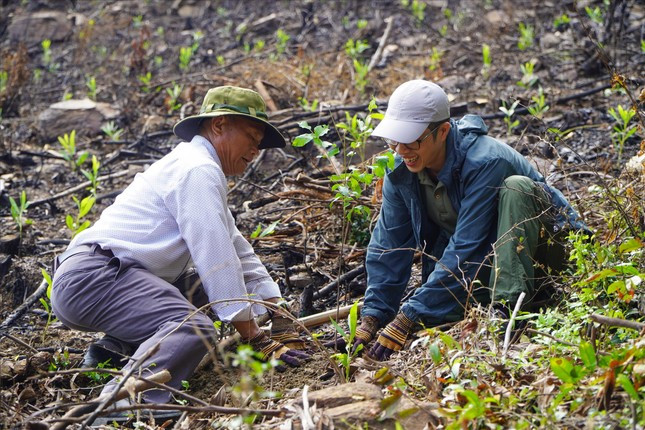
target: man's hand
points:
(267, 348)
(283, 329)
(392, 338)
(364, 335)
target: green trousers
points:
(527, 249)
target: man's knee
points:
(517, 185)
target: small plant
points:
(4, 77)
(358, 130)
(281, 42)
(539, 106)
(220, 60)
(19, 212)
(185, 54)
(67, 95)
(46, 302)
(112, 131)
(90, 83)
(561, 21)
(435, 59)
(527, 34)
(60, 360)
(643, 46)
(47, 54)
(361, 69)
(145, 81)
(486, 60)
(101, 377)
(68, 143)
(418, 11)
(315, 136)
(622, 130)
(345, 358)
(594, 14)
(306, 105)
(252, 371)
(172, 102)
(76, 224)
(509, 112)
(38, 75)
(354, 49)
(443, 30)
(528, 77)
(93, 175)
(268, 231)
(137, 21)
(258, 46)
(361, 24)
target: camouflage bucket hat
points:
(230, 100)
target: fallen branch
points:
(381, 44)
(348, 276)
(20, 310)
(511, 323)
(617, 322)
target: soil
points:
(119, 42)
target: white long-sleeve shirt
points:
(176, 212)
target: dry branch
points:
(617, 322)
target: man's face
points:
(429, 151)
(237, 143)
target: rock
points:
(418, 414)
(85, 116)
(355, 413)
(38, 26)
(351, 393)
(497, 18)
(549, 41)
(9, 243)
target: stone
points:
(38, 26)
(9, 243)
(497, 18)
(85, 116)
(355, 413)
(343, 394)
(549, 41)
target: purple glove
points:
(392, 338)
(268, 348)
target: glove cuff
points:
(267, 347)
(404, 322)
(367, 330)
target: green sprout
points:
(539, 106)
(528, 77)
(306, 105)
(145, 81)
(4, 78)
(281, 42)
(435, 59)
(527, 34)
(68, 143)
(594, 14)
(486, 60)
(185, 54)
(93, 176)
(418, 11)
(561, 21)
(76, 224)
(509, 112)
(112, 131)
(47, 54)
(173, 94)
(19, 212)
(268, 231)
(90, 83)
(345, 358)
(622, 130)
(46, 302)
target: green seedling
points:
(68, 143)
(76, 224)
(594, 14)
(90, 83)
(67, 95)
(252, 371)
(561, 21)
(47, 56)
(354, 49)
(643, 46)
(418, 11)
(345, 358)
(145, 81)
(281, 38)
(539, 106)
(19, 212)
(315, 136)
(112, 131)
(306, 105)
(220, 60)
(46, 302)
(357, 130)
(185, 54)
(258, 46)
(443, 30)
(173, 97)
(527, 34)
(60, 361)
(93, 176)
(268, 231)
(101, 377)
(4, 77)
(435, 59)
(509, 112)
(158, 59)
(361, 70)
(528, 77)
(486, 60)
(38, 75)
(361, 24)
(137, 21)
(622, 130)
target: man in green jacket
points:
(475, 207)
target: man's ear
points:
(444, 129)
(216, 125)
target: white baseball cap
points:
(412, 107)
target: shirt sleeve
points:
(225, 261)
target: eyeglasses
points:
(412, 145)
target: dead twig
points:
(20, 310)
(617, 322)
(381, 44)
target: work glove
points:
(283, 329)
(364, 335)
(267, 348)
(392, 338)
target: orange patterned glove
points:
(392, 338)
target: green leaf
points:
(321, 130)
(302, 140)
(338, 328)
(563, 368)
(588, 355)
(627, 385)
(630, 245)
(82, 227)
(270, 229)
(69, 221)
(305, 125)
(618, 285)
(86, 206)
(352, 319)
(257, 231)
(435, 353)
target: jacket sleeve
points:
(444, 293)
(389, 257)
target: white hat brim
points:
(399, 131)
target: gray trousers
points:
(95, 291)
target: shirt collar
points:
(201, 140)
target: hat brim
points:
(187, 128)
(399, 131)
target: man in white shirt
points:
(117, 276)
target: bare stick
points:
(617, 322)
(342, 278)
(20, 310)
(381, 44)
(259, 85)
(511, 323)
